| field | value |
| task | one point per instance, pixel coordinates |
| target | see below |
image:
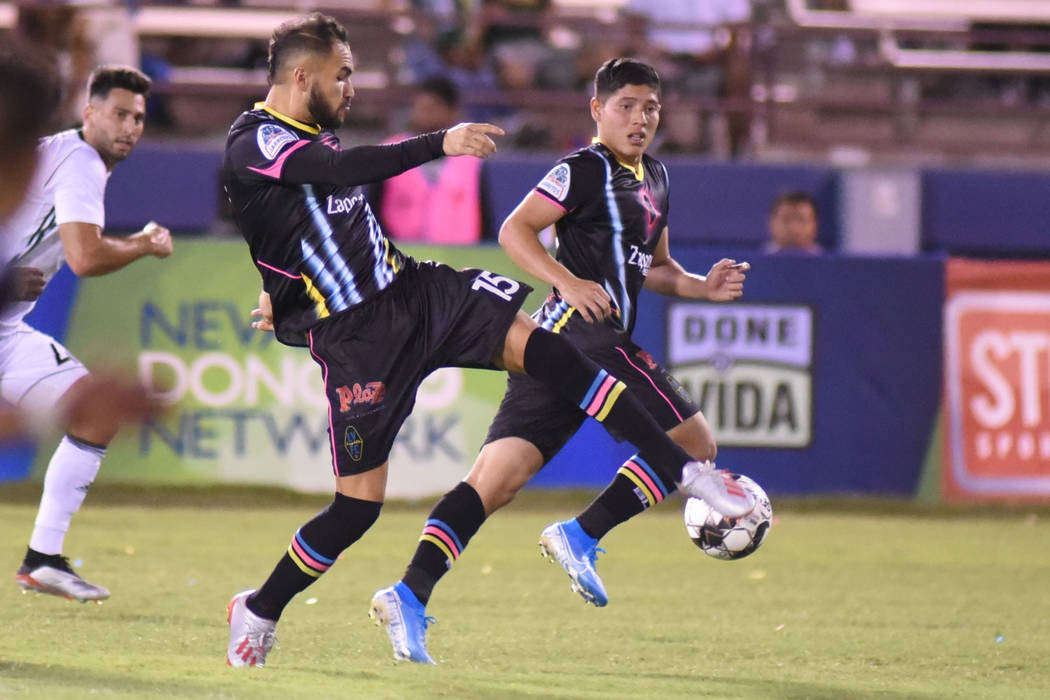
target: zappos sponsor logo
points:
(342, 205)
(749, 369)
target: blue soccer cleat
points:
(576, 551)
(399, 611)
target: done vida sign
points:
(749, 369)
(997, 374)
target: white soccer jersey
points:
(69, 185)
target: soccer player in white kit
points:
(61, 220)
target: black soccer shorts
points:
(531, 411)
(373, 357)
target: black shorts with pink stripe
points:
(374, 356)
(532, 412)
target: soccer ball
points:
(729, 538)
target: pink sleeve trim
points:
(549, 199)
(274, 170)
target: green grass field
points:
(845, 600)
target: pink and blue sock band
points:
(602, 395)
(651, 486)
(443, 537)
(311, 562)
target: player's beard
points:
(323, 113)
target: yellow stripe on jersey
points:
(390, 259)
(314, 129)
(563, 320)
(638, 171)
(316, 296)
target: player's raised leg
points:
(555, 362)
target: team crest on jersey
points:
(272, 139)
(353, 443)
(556, 183)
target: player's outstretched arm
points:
(519, 236)
(90, 253)
(318, 164)
(724, 281)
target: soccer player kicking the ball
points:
(609, 205)
(61, 220)
(371, 315)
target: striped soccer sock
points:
(557, 363)
(314, 548)
(456, 517)
(635, 488)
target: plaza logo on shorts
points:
(353, 443)
(997, 376)
(556, 183)
(749, 369)
(272, 138)
(368, 394)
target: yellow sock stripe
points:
(640, 484)
(316, 296)
(563, 320)
(614, 394)
(439, 544)
(299, 562)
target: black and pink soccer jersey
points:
(297, 201)
(613, 220)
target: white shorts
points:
(35, 369)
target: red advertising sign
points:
(997, 381)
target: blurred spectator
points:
(512, 34)
(440, 201)
(61, 31)
(700, 49)
(29, 94)
(793, 224)
(81, 36)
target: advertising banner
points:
(748, 368)
(997, 381)
(243, 407)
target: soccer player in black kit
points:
(608, 203)
(373, 316)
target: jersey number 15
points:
(501, 286)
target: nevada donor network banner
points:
(749, 369)
(241, 406)
(997, 381)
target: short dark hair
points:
(617, 72)
(793, 197)
(441, 88)
(106, 78)
(30, 92)
(314, 32)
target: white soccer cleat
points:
(251, 636)
(716, 488)
(56, 577)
